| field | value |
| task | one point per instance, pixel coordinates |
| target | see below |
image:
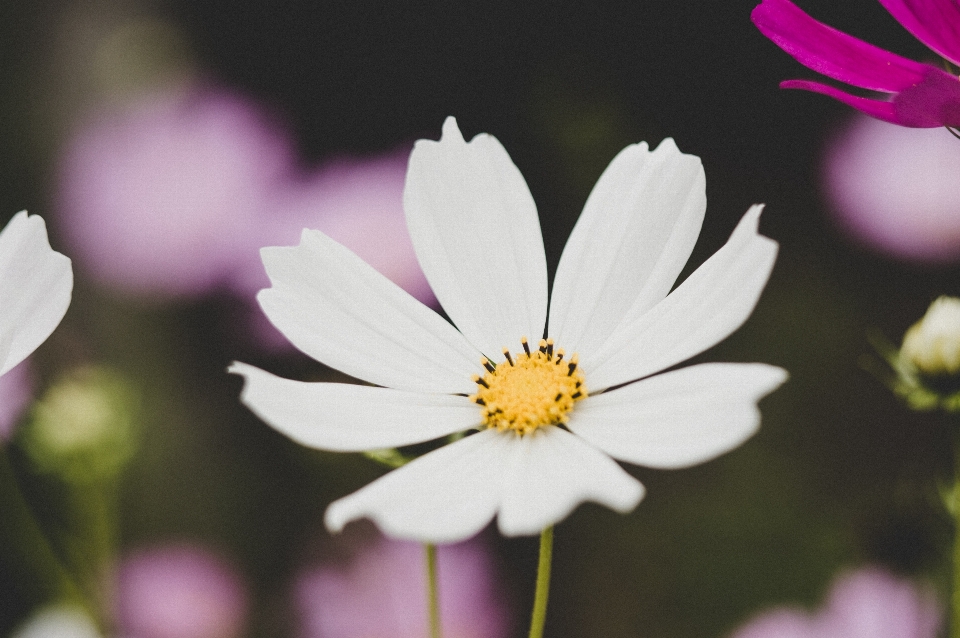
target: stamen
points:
(535, 390)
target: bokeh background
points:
(164, 142)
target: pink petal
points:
(833, 53)
(880, 109)
(936, 23)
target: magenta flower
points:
(382, 594)
(868, 603)
(921, 95)
(179, 591)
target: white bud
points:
(932, 345)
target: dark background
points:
(840, 475)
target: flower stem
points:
(433, 603)
(543, 584)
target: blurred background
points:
(165, 142)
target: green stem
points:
(543, 584)
(433, 603)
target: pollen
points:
(530, 389)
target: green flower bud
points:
(83, 428)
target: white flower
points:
(477, 236)
(35, 287)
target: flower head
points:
(35, 287)
(921, 95)
(868, 603)
(543, 417)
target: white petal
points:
(634, 236)
(35, 287)
(444, 496)
(679, 418)
(342, 312)
(550, 472)
(476, 233)
(713, 302)
(352, 418)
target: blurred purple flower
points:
(869, 603)
(16, 392)
(382, 594)
(896, 189)
(163, 197)
(179, 591)
(922, 96)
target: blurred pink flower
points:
(382, 594)
(179, 591)
(896, 189)
(16, 392)
(869, 603)
(163, 198)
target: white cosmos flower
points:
(477, 236)
(35, 287)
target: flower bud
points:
(927, 366)
(83, 428)
(932, 345)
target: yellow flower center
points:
(530, 389)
